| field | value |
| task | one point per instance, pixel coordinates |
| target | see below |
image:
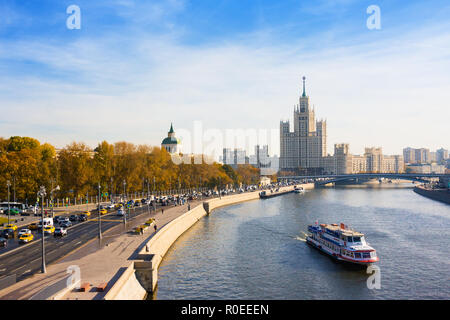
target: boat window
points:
(366, 254)
(357, 255)
(349, 239)
(356, 239)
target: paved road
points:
(27, 260)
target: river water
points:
(256, 250)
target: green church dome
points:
(170, 140)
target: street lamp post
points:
(124, 183)
(111, 191)
(51, 198)
(14, 188)
(42, 193)
(8, 183)
(99, 215)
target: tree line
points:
(78, 169)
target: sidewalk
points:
(98, 262)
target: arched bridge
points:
(325, 179)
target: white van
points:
(47, 222)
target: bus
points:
(20, 206)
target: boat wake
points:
(302, 237)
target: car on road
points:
(24, 231)
(49, 229)
(12, 211)
(63, 219)
(73, 217)
(32, 209)
(47, 222)
(88, 213)
(65, 224)
(11, 226)
(2, 211)
(121, 212)
(60, 232)
(82, 217)
(25, 213)
(3, 242)
(103, 211)
(8, 233)
(33, 226)
(26, 238)
(110, 206)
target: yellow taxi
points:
(103, 211)
(88, 213)
(49, 229)
(27, 237)
(33, 226)
(11, 226)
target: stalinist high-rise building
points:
(301, 150)
(304, 150)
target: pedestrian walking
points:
(156, 227)
(189, 207)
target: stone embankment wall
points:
(438, 195)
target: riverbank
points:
(152, 253)
(442, 195)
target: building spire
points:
(171, 128)
(304, 90)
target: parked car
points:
(26, 238)
(24, 231)
(110, 206)
(73, 217)
(60, 232)
(82, 217)
(121, 212)
(3, 242)
(103, 211)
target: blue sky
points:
(136, 66)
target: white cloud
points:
(391, 93)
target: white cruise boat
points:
(341, 243)
(299, 190)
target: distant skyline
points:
(136, 66)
